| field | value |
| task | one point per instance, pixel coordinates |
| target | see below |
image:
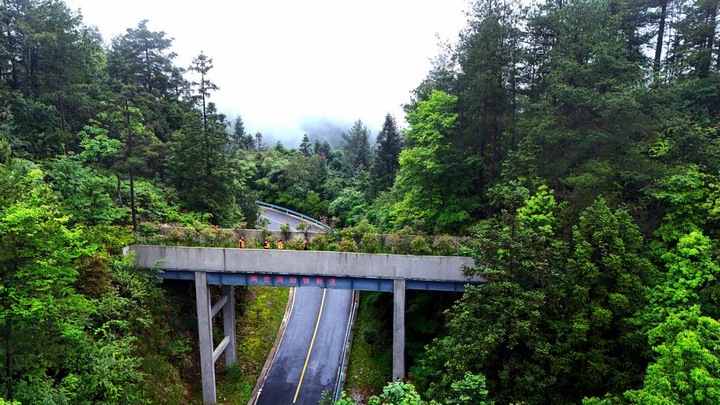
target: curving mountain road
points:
(309, 356)
(308, 359)
(275, 218)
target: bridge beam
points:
(398, 367)
(207, 365)
(229, 324)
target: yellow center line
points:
(312, 342)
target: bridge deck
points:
(295, 268)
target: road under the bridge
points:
(315, 341)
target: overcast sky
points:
(282, 65)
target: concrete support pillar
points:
(229, 324)
(398, 367)
(207, 365)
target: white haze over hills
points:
(291, 67)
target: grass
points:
(370, 366)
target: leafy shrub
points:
(398, 243)
(397, 393)
(285, 230)
(347, 245)
(420, 246)
(325, 241)
(369, 243)
(444, 246)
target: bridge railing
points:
(293, 213)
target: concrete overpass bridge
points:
(291, 268)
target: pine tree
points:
(693, 50)
(199, 167)
(357, 146)
(142, 58)
(239, 138)
(305, 147)
(388, 145)
(487, 86)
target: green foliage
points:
(398, 243)
(690, 267)
(285, 230)
(687, 365)
(430, 178)
(397, 393)
(347, 245)
(36, 269)
(349, 207)
(385, 165)
(504, 329)
(5, 129)
(371, 356)
(357, 146)
(609, 279)
(86, 194)
(343, 400)
(444, 245)
(92, 338)
(470, 390)
(369, 243)
(420, 246)
(686, 197)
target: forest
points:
(572, 145)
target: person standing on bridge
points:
(305, 244)
(281, 244)
(266, 244)
(241, 242)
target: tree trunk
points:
(7, 336)
(132, 200)
(119, 184)
(660, 36)
(8, 358)
(709, 40)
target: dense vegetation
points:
(573, 143)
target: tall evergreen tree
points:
(584, 111)
(239, 138)
(487, 86)
(693, 50)
(357, 146)
(388, 144)
(305, 146)
(198, 166)
(140, 62)
(53, 66)
(609, 278)
(322, 149)
(142, 58)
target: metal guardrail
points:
(294, 213)
(346, 346)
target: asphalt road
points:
(308, 358)
(278, 217)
